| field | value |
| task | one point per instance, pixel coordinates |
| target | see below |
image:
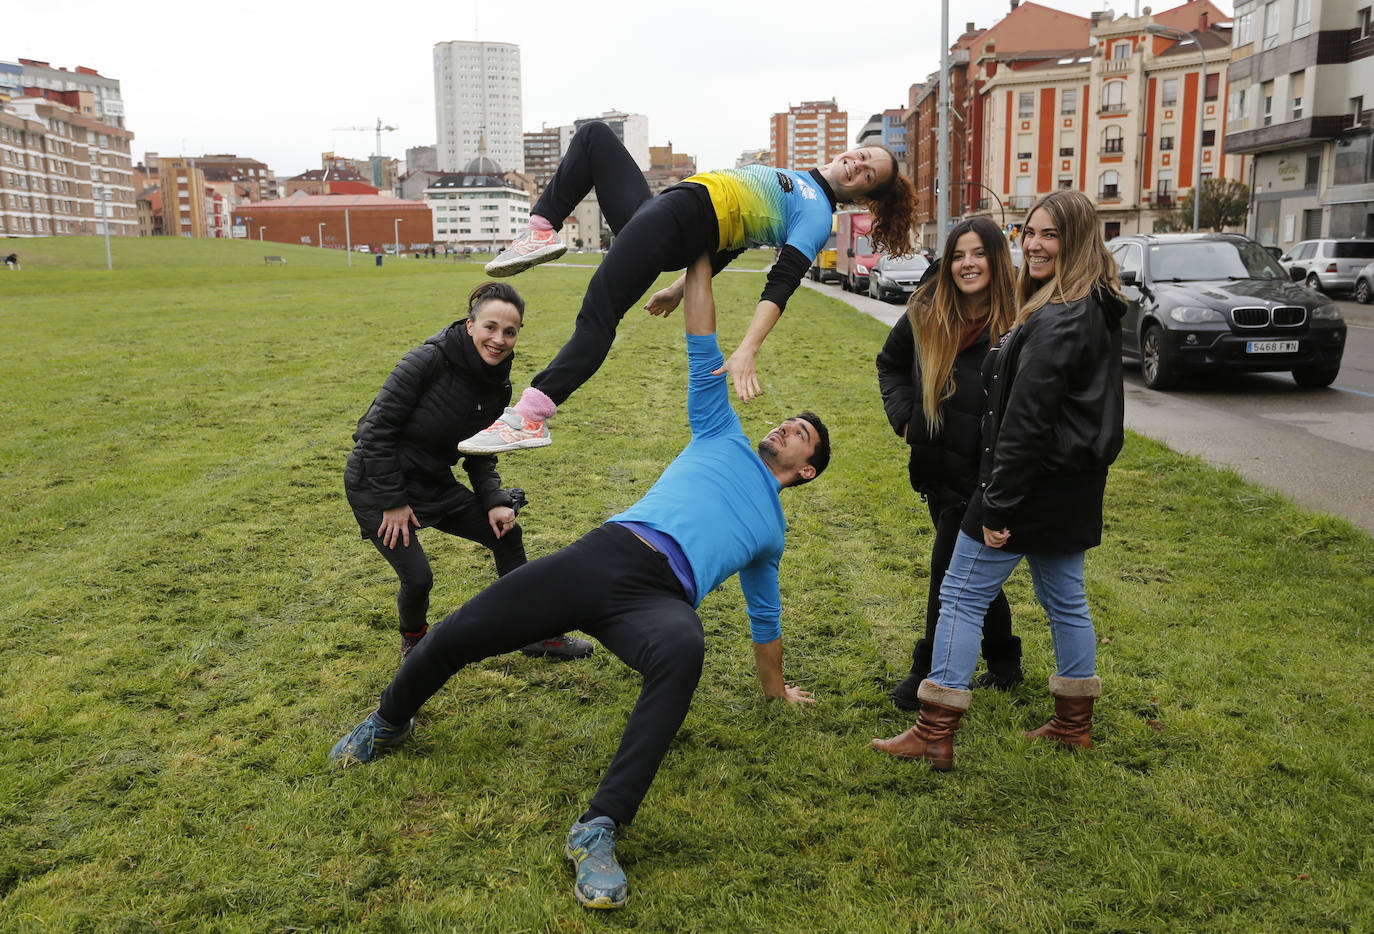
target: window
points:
(1356, 108)
(1169, 94)
(1114, 96)
(1164, 188)
(1111, 186)
(1245, 29)
(1112, 140)
(1026, 104)
(1023, 146)
(1068, 101)
(1302, 12)
(1066, 182)
(1267, 98)
(1314, 168)
(1362, 22)
(1211, 85)
(1209, 137)
(1297, 83)
(1166, 143)
(1121, 51)
(1271, 25)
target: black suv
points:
(1198, 302)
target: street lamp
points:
(1161, 30)
(262, 228)
(396, 236)
(320, 225)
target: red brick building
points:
(370, 221)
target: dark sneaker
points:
(409, 640)
(601, 883)
(511, 432)
(369, 738)
(529, 249)
(560, 647)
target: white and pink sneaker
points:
(511, 432)
(529, 249)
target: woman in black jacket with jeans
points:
(1053, 425)
(929, 375)
(400, 474)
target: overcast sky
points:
(273, 80)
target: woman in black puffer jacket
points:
(929, 374)
(400, 474)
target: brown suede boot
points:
(932, 738)
(1072, 722)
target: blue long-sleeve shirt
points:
(718, 500)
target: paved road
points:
(1315, 446)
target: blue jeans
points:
(976, 575)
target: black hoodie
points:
(407, 443)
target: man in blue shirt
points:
(634, 584)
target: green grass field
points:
(189, 620)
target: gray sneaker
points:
(511, 432)
(529, 249)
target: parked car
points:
(1327, 265)
(1363, 292)
(1206, 302)
(895, 279)
(823, 266)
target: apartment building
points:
(1301, 105)
(108, 101)
(631, 129)
(478, 207)
(257, 174)
(63, 173)
(544, 149)
(754, 157)
(185, 212)
(477, 100)
(808, 134)
(1116, 119)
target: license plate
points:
(1271, 346)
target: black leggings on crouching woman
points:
(653, 236)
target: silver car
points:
(1327, 265)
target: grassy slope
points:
(190, 620)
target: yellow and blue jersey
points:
(766, 206)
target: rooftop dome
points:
(484, 165)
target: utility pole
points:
(942, 196)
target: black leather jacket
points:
(1054, 422)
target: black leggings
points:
(653, 235)
(610, 585)
(412, 566)
(946, 512)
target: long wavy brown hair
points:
(1082, 263)
(893, 207)
(939, 312)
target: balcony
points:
(1113, 147)
(1109, 193)
(1020, 202)
(1163, 199)
(1110, 108)
(1116, 65)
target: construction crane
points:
(367, 129)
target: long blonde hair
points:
(938, 316)
(1082, 264)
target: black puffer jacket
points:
(1054, 422)
(946, 464)
(406, 445)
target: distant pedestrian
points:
(399, 477)
(711, 213)
(12, 262)
(1052, 427)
